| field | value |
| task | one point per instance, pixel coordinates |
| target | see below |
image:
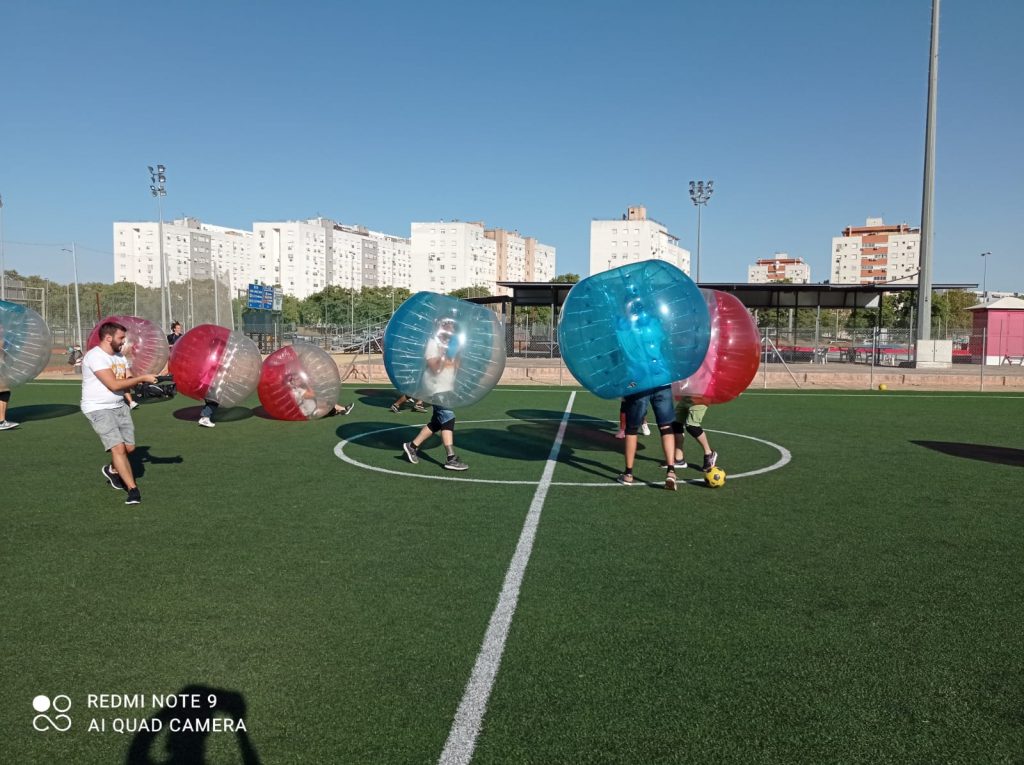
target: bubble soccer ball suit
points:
(634, 328)
(25, 345)
(299, 382)
(145, 346)
(733, 354)
(442, 350)
(213, 363)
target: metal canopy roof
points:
(751, 295)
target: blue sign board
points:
(261, 297)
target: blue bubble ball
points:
(445, 351)
(634, 328)
(25, 345)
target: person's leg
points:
(452, 462)
(635, 406)
(122, 466)
(207, 412)
(664, 414)
(694, 420)
(679, 428)
(622, 419)
(5, 396)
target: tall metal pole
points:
(700, 193)
(78, 307)
(984, 277)
(924, 290)
(158, 178)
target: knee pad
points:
(450, 425)
(666, 429)
(677, 428)
(5, 395)
(695, 430)
(632, 430)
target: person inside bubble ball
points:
(442, 362)
(441, 358)
(305, 397)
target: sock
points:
(449, 450)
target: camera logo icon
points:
(59, 705)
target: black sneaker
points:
(453, 464)
(112, 478)
(709, 461)
(133, 497)
(348, 410)
(410, 453)
(395, 408)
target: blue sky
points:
(537, 116)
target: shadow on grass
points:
(40, 412)
(187, 726)
(223, 414)
(142, 456)
(999, 455)
(382, 397)
(527, 441)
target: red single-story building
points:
(998, 333)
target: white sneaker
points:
(133, 405)
(8, 425)
(645, 429)
(206, 422)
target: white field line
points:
(461, 743)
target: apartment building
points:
(634, 238)
(876, 253)
(779, 268)
(358, 257)
(540, 261)
(192, 249)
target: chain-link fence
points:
(72, 313)
(890, 347)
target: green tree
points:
(569, 278)
(477, 290)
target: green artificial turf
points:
(858, 604)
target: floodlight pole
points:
(924, 283)
(157, 179)
(984, 277)
(700, 193)
(78, 307)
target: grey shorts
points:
(113, 426)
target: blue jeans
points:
(659, 399)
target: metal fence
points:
(888, 347)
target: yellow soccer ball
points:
(883, 386)
(715, 477)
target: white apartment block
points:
(634, 238)
(540, 261)
(779, 268)
(191, 249)
(876, 253)
(357, 257)
(292, 254)
(450, 256)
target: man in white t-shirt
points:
(104, 381)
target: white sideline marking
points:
(458, 749)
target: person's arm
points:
(106, 376)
